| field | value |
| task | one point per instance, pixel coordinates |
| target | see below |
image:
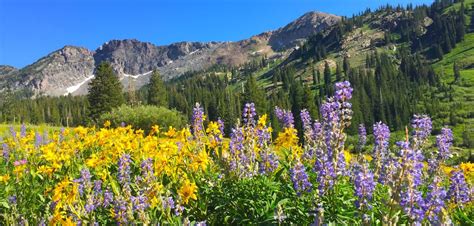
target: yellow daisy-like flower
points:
(287, 138)
(5, 178)
(262, 120)
(107, 124)
(187, 191)
(171, 132)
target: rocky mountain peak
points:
(306, 25)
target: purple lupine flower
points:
(324, 169)
(178, 210)
(140, 202)
(341, 164)
(343, 91)
(236, 146)
(329, 111)
(123, 124)
(381, 137)
(23, 130)
(200, 223)
(38, 140)
(362, 136)
(124, 169)
(306, 119)
(198, 119)
(5, 152)
(108, 198)
(458, 191)
(422, 126)
(249, 113)
(300, 179)
(269, 162)
(434, 201)
(444, 141)
(364, 186)
(221, 125)
(12, 132)
(263, 137)
(120, 208)
(12, 200)
(412, 202)
(411, 198)
(317, 131)
(168, 203)
(84, 181)
(380, 151)
(148, 175)
(61, 134)
(285, 117)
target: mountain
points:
(68, 70)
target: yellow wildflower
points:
(5, 178)
(187, 191)
(287, 138)
(155, 129)
(46, 170)
(171, 132)
(262, 120)
(107, 124)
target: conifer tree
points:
(457, 74)
(157, 94)
(253, 93)
(327, 79)
(105, 92)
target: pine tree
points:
(457, 74)
(105, 91)
(253, 93)
(157, 94)
(327, 79)
(309, 103)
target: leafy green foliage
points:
(144, 117)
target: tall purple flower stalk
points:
(285, 117)
(221, 125)
(5, 152)
(269, 162)
(364, 185)
(380, 151)
(458, 192)
(362, 136)
(249, 113)
(38, 140)
(300, 179)
(411, 198)
(23, 130)
(443, 141)
(198, 119)
(434, 201)
(422, 126)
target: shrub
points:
(144, 117)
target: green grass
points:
(462, 103)
(5, 128)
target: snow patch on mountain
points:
(72, 89)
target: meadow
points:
(197, 176)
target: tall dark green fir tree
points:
(157, 94)
(105, 91)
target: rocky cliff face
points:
(69, 69)
(297, 31)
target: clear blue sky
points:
(30, 29)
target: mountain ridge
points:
(55, 73)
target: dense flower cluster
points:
(195, 176)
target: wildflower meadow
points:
(198, 175)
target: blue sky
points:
(30, 29)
